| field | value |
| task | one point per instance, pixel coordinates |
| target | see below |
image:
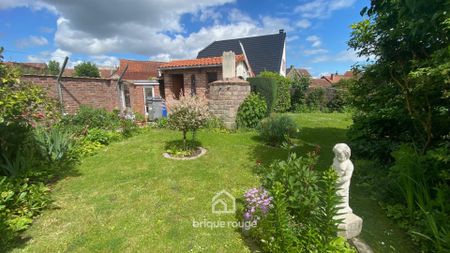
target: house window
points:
(193, 87)
(148, 93)
(212, 76)
(126, 96)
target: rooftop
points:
(202, 62)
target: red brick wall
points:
(201, 78)
(137, 99)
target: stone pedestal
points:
(351, 226)
(225, 97)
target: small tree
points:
(53, 67)
(283, 102)
(189, 114)
(87, 69)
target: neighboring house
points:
(187, 77)
(29, 67)
(297, 73)
(139, 82)
(335, 78)
(319, 83)
(264, 53)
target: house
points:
(193, 76)
(139, 82)
(335, 78)
(293, 73)
(264, 53)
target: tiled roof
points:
(335, 78)
(319, 83)
(298, 72)
(139, 70)
(33, 65)
(263, 52)
(210, 61)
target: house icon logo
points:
(223, 203)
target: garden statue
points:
(351, 224)
(344, 169)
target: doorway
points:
(177, 86)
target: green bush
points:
(316, 100)
(20, 201)
(302, 210)
(267, 89)
(86, 69)
(56, 145)
(88, 117)
(278, 129)
(283, 97)
(85, 147)
(251, 112)
(102, 136)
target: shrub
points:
(301, 211)
(278, 129)
(251, 112)
(283, 98)
(88, 117)
(102, 136)
(316, 100)
(85, 147)
(298, 91)
(55, 144)
(267, 89)
(189, 114)
(20, 201)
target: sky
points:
(104, 31)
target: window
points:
(148, 93)
(212, 76)
(193, 87)
(126, 96)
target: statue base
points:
(351, 226)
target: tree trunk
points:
(184, 140)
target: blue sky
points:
(105, 31)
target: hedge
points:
(267, 88)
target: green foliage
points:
(103, 137)
(56, 145)
(283, 100)
(301, 218)
(278, 129)
(20, 201)
(299, 88)
(86, 148)
(316, 99)
(251, 111)
(179, 149)
(402, 103)
(190, 114)
(86, 69)
(267, 89)
(53, 67)
(88, 117)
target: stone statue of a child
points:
(344, 169)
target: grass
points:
(128, 198)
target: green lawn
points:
(128, 198)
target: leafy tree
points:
(408, 85)
(53, 67)
(299, 88)
(189, 114)
(283, 102)
(86, 69)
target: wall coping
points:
(69, 77)
(231, 81)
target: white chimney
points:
(228, 65)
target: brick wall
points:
(225, 97)
(201, 81)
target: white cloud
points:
(315, 51)
(33, 4)
(32, 41)
(303, 23)
(104, 60)
(322, 8)
(315, 40)
(292, 38)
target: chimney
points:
(332, 76)
(281, 30)
(228, 65)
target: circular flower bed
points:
(186, 155)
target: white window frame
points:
(145, 97)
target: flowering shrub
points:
(189, 114)
(258, 203)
